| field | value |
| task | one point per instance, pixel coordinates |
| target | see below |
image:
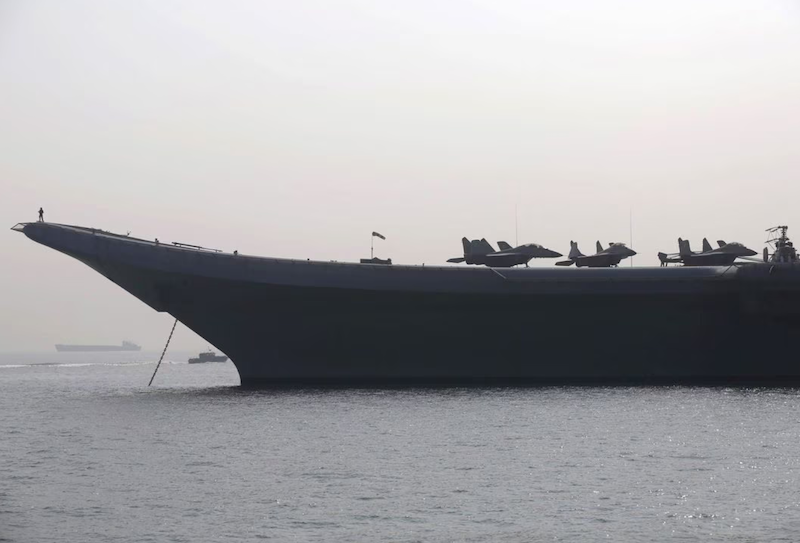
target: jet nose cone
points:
(631, 252)
(553, 254)
(749, 252)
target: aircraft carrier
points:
(296, 322)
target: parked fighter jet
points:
(481, 252)
(604, 258)
(722, 256)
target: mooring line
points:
(163, 352)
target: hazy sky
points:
(297, 128)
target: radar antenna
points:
(783, 250)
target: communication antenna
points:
(516, 216)
(630, 227)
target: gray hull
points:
(299, 322)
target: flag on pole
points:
(377, 235)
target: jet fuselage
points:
(598, 261)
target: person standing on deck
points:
(41, 215)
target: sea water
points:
(89, 453)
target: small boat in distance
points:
(209, 356)
(126, 346)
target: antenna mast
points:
(630, 227)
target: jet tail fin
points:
(598, 246)
(484, 247)
(574, 252)
(684, 249)
(721, 243)
(503, 245)
(706, 246)
(465, 242)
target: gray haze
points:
(297, 128)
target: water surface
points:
(90, 453)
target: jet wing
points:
(507, 259)
(456, 260)
(604, 260)
(713, 258)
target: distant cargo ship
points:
(126, 346)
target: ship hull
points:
(302, 323)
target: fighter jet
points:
(481, 252)
(722, 256)
(604, 258)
